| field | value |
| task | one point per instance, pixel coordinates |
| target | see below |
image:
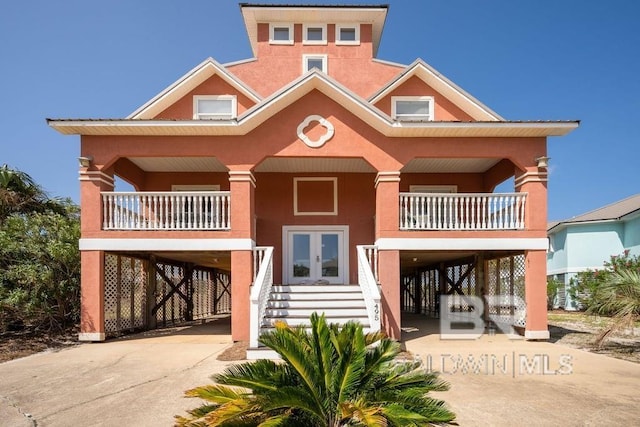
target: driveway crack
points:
(14, 405)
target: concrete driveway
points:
(497, 381)
(139, 381)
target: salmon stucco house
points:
(311, 177)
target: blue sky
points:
(527, 60)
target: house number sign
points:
(322, 139)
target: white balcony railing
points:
(198, 210)
(462, 211)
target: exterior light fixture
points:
(543, 162)
(85, 161)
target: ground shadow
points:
(219, 325)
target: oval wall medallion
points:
(323, 139)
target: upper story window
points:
(281, 33)
(314, 34)
(309, 62)
(412, 108)
(214, 107)
(347, 34)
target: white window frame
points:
(395, 99)
(233, 112)
(305, 61)
(273, 26)
(288, 229)
(306, 27)
(333, 212)
(347, 42)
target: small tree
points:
(552, 292)
(331, 376)
(619, 297)
(586, 283)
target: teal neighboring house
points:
(586, 241)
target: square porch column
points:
(92, 296)
(388, 223)
(533, 181)
(92, 183)
(535, 291)
(242, 187)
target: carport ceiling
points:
(213, 259)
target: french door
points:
(315, 254)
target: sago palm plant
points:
(619, 296)
(331, 376)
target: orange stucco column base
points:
(535, 283)
(389, 275)
(92, 296)
(241, 279)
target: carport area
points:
(147, 290)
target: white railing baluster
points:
(208, 210)
(468, 211)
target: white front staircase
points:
(294, 304)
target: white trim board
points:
(455, 244)
(89, 244)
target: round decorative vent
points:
(323, 139)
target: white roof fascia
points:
(186, 83)
(316, 79)
(391, 63)
(450, 90)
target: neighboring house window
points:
(281, 33)
(214, 107)
(314, 34)
(412, 108)
(347, 34)
(309, 62)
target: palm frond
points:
(217, 394)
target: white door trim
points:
(286, 229)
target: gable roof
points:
(613, 212)
(185, 84)
(253, 14)
(443, 85)
(318, 80)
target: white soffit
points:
(307, 164)
(442, 85)
(186, 84)
(327, 14)
(178, 164)
(422, 165)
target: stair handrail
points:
(260, 291)
(369, 284)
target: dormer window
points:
(309, 62)
(214, 107)
(281, 33)
(347, 34)
(412, 108)
(314, 34)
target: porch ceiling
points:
(317, 164)
(179, 164)
(307, 164)
(421, 165)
